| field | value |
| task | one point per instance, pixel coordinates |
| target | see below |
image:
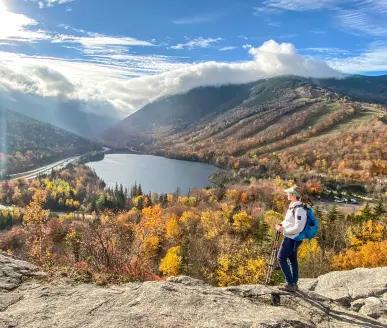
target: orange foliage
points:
(369, 255)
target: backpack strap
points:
(305, 207)
(298, 206)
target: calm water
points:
(156, 174)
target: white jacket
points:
(294, 224)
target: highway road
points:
(45, 169)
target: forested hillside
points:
(221, 235)
(274, 126)
(27, 143)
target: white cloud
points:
(51, 3)
(227, 48)
(276, 6)
(364, 19)
(353, 16)
(371, 60)
(106, 82)
(17, 27)
(327, 50)
(197, 43)
(99, 40)
(274, 24)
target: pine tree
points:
(134, 191)
(366, 212)
(379, 210)
(333, 214)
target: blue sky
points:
(126, 53)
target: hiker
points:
(291, 227)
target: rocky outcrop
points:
(12, 272)
(176, 302)
(362, 290)
(346, 286)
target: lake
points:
(156, 174)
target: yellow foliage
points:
(136, 201)
(369, 255)
(34, 213)
(151, 245)
(172, 230)
(232, 194)
(309, 249)
(280, 202)
(214, 223)
(187, 217)
(242, 222)
(148, 232)
(368, 231)
(189, 222)
(170, 197)
(239, 269)
(312, 260)
(279, 182)
(170, 264)
(272, 218)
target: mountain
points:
(27, 143)
(372, 89)
(271, 123)
(175, 113)
(69, 115)
(338, 299)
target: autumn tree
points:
(35, 218)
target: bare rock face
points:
(346, 286)
(12, 272)
(176, 302)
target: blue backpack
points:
(311, 226)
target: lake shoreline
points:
(155, 173)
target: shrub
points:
(366, 232)
(242, 222)
(240, 268)
(171, 263)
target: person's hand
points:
(279, 228)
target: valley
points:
(193, 164)
(114, 218)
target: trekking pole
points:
(273, 257)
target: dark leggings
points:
(288, 250)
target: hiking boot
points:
(288, 287)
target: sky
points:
(114, 56)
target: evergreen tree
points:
(379, 210)
(9, 222)
(140, 204)
(366, 212)
(332, 214)
(261, 235)
(134, 191)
